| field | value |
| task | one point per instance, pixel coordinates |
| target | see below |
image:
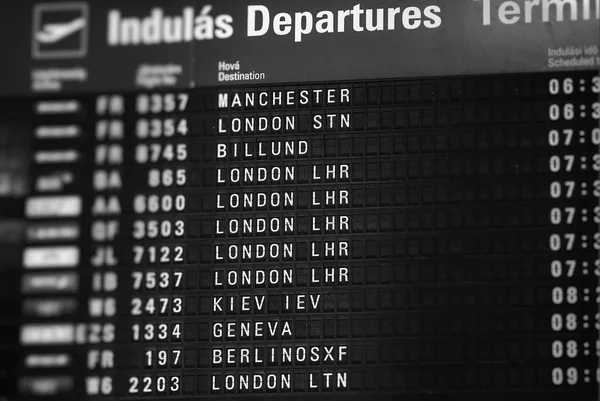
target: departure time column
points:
(574, 162)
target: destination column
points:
(279, 256)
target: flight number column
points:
(158, 250)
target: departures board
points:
(328, 200)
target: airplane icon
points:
(52, 33)
(60, 30)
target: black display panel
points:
(303, 200)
